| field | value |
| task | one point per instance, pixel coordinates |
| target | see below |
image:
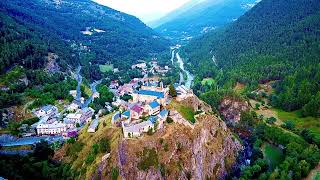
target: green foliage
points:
(104, 145)
(262, 46)
(126, 97)
(271, 120)
(114, 173)
(74, 149)
(288, 125)
(148, 158)
(42, 151)
(172, 91)
(169, 120)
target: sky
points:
(145, 10)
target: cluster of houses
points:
(53, 123)
(145, 112)
(151, 67)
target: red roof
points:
(137, 108)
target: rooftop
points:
(138, 127)
(154, 104)
(151, 93)
(153, 119)
(163, 113)
(126, 113)
(137, 108)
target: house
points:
(86, 115)
(126, 115)
(153, 108)
(136, 112)
(93, 126)
(73, 106)
(55, 128)
(48, 110)
(114, 84)
(140, 65)
(153, 119)
(162, 117)
(73, 119)
(116, 117)
(73, 93)
(137, 129)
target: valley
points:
(225, 89)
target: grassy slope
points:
(273, 155)
(88, 139)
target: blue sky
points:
(146, 10)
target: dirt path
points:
(313, 173)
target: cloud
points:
(146, 10)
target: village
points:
(143, 112)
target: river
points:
(190, 76)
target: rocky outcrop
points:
(208, 150)
(231, 109)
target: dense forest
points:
(20, 45)
(275, 40)
(99, 34)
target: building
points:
(55, 128)
(73, 118)
(136, 112)
(147, 96)
(153, 108)
(140, 65)
(93, 126)
(162, 117)
(73, 106)
(73, 93)
(137, 129)
(116, 117)
(48, 110)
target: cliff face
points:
(231, 109)
(206, 151)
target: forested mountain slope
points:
(275, 40)
(102, 33)
(200, 17)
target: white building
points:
(153, 108)
(48, 110)
(55, 128)
(93, 126)
(137, 129)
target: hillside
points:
(177, 151)
(100, 33)
(199, 17)
(275, 40)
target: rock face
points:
(231, 109)
(207, 151)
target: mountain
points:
(199, 17)
(98, 34)
(275, 40)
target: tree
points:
(172, 91)
(271, 120)
(43, 151)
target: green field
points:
(106, 68)
(207, 81)
(187, 113)
(311, 123)
(273, 155)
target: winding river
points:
(190, 76)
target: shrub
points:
(169, 120)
